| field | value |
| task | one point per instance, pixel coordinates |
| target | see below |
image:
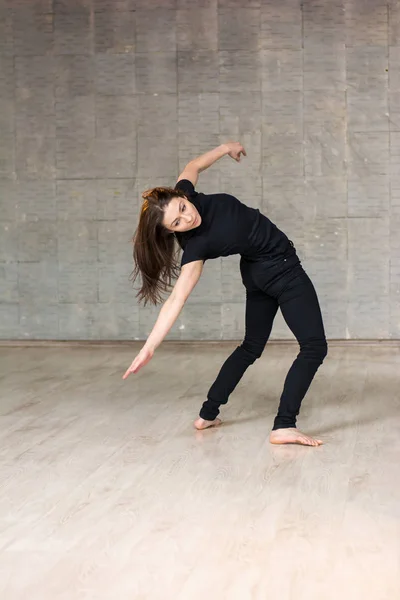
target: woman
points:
(210, 226)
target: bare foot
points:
(203, 424)
(291, 435)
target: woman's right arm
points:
(188, 278)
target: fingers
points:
(236, 154)
(237, 148)
(137, 364)
(127, 373)
(130, 370)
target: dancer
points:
(214, 225)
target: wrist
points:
(225, 147)
(150, 347)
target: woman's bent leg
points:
(260, 313)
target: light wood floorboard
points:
(108, 493)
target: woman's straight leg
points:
(300, 308)
(260, 313)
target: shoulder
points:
(186, 186)
(190, 239)
(195, 248)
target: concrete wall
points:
(100, 99)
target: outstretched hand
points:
(144, 356)
(235, 150)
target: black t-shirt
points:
(229, 227)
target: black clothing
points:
(274, 278)
(229, 227)
(290, 289)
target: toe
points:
(314, 442)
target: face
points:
(181, 215)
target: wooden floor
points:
(107, 493)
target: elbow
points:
(193, 165)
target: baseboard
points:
(75, 343)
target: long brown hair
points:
(154, 248)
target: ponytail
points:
(154, 249)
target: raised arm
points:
(197, 165)
(188, 278)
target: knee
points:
(316, 349)
(252, 349)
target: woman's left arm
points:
(188, 278)
(199, 164)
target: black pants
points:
(271, 285)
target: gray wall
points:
(100, 99)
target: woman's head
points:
(180, 215)
(164, 212)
